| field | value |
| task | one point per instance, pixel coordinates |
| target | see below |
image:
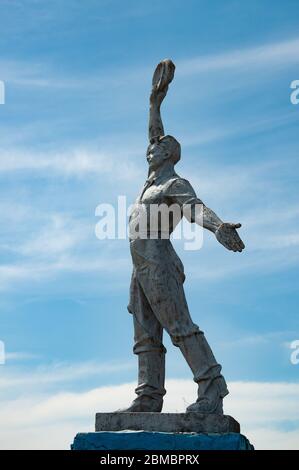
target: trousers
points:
(157, 302)
(157, 298)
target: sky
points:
(73, 135)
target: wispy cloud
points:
(11, 276)
(75, 162)
(261, 56)
(51, 244)
(261, 339)
(62, 373)
(59, 234)
(263, 409)
(248, 127)
(43, 75)
(19, 356)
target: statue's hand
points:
(163, 75)
(228, 236)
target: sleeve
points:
(182, 193)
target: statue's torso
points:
(145, 221)
(150, 244)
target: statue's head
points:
(161, 149)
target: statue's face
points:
(157, 153)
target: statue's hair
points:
(174, 147)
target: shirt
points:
(160, 206)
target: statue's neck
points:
(165, 170)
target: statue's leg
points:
(207, 373)
(151, 363)
(148, 346)
(168, 302)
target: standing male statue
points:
(157, 299)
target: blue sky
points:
(73, 134)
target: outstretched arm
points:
(181, 192)
(225, 232)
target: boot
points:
(151, 378)
(211, 384)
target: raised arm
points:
(163, 75)
(155, 126)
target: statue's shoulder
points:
(176, 181)
(171, 180)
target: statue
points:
(157, 299)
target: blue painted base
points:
(145, 440)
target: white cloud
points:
(262, 56)
(12, 275)
(56, 373)
(260, 339)
(73, 162)
(274, 439)
(48, 244)
(39, 422)
(246, 127)
(12, 69)
(19, 356)
(59, 234)
(42, 75)
(219, 266)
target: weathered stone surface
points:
(167, 422)
(143, 440)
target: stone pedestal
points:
(163, 431)
(167, 422)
